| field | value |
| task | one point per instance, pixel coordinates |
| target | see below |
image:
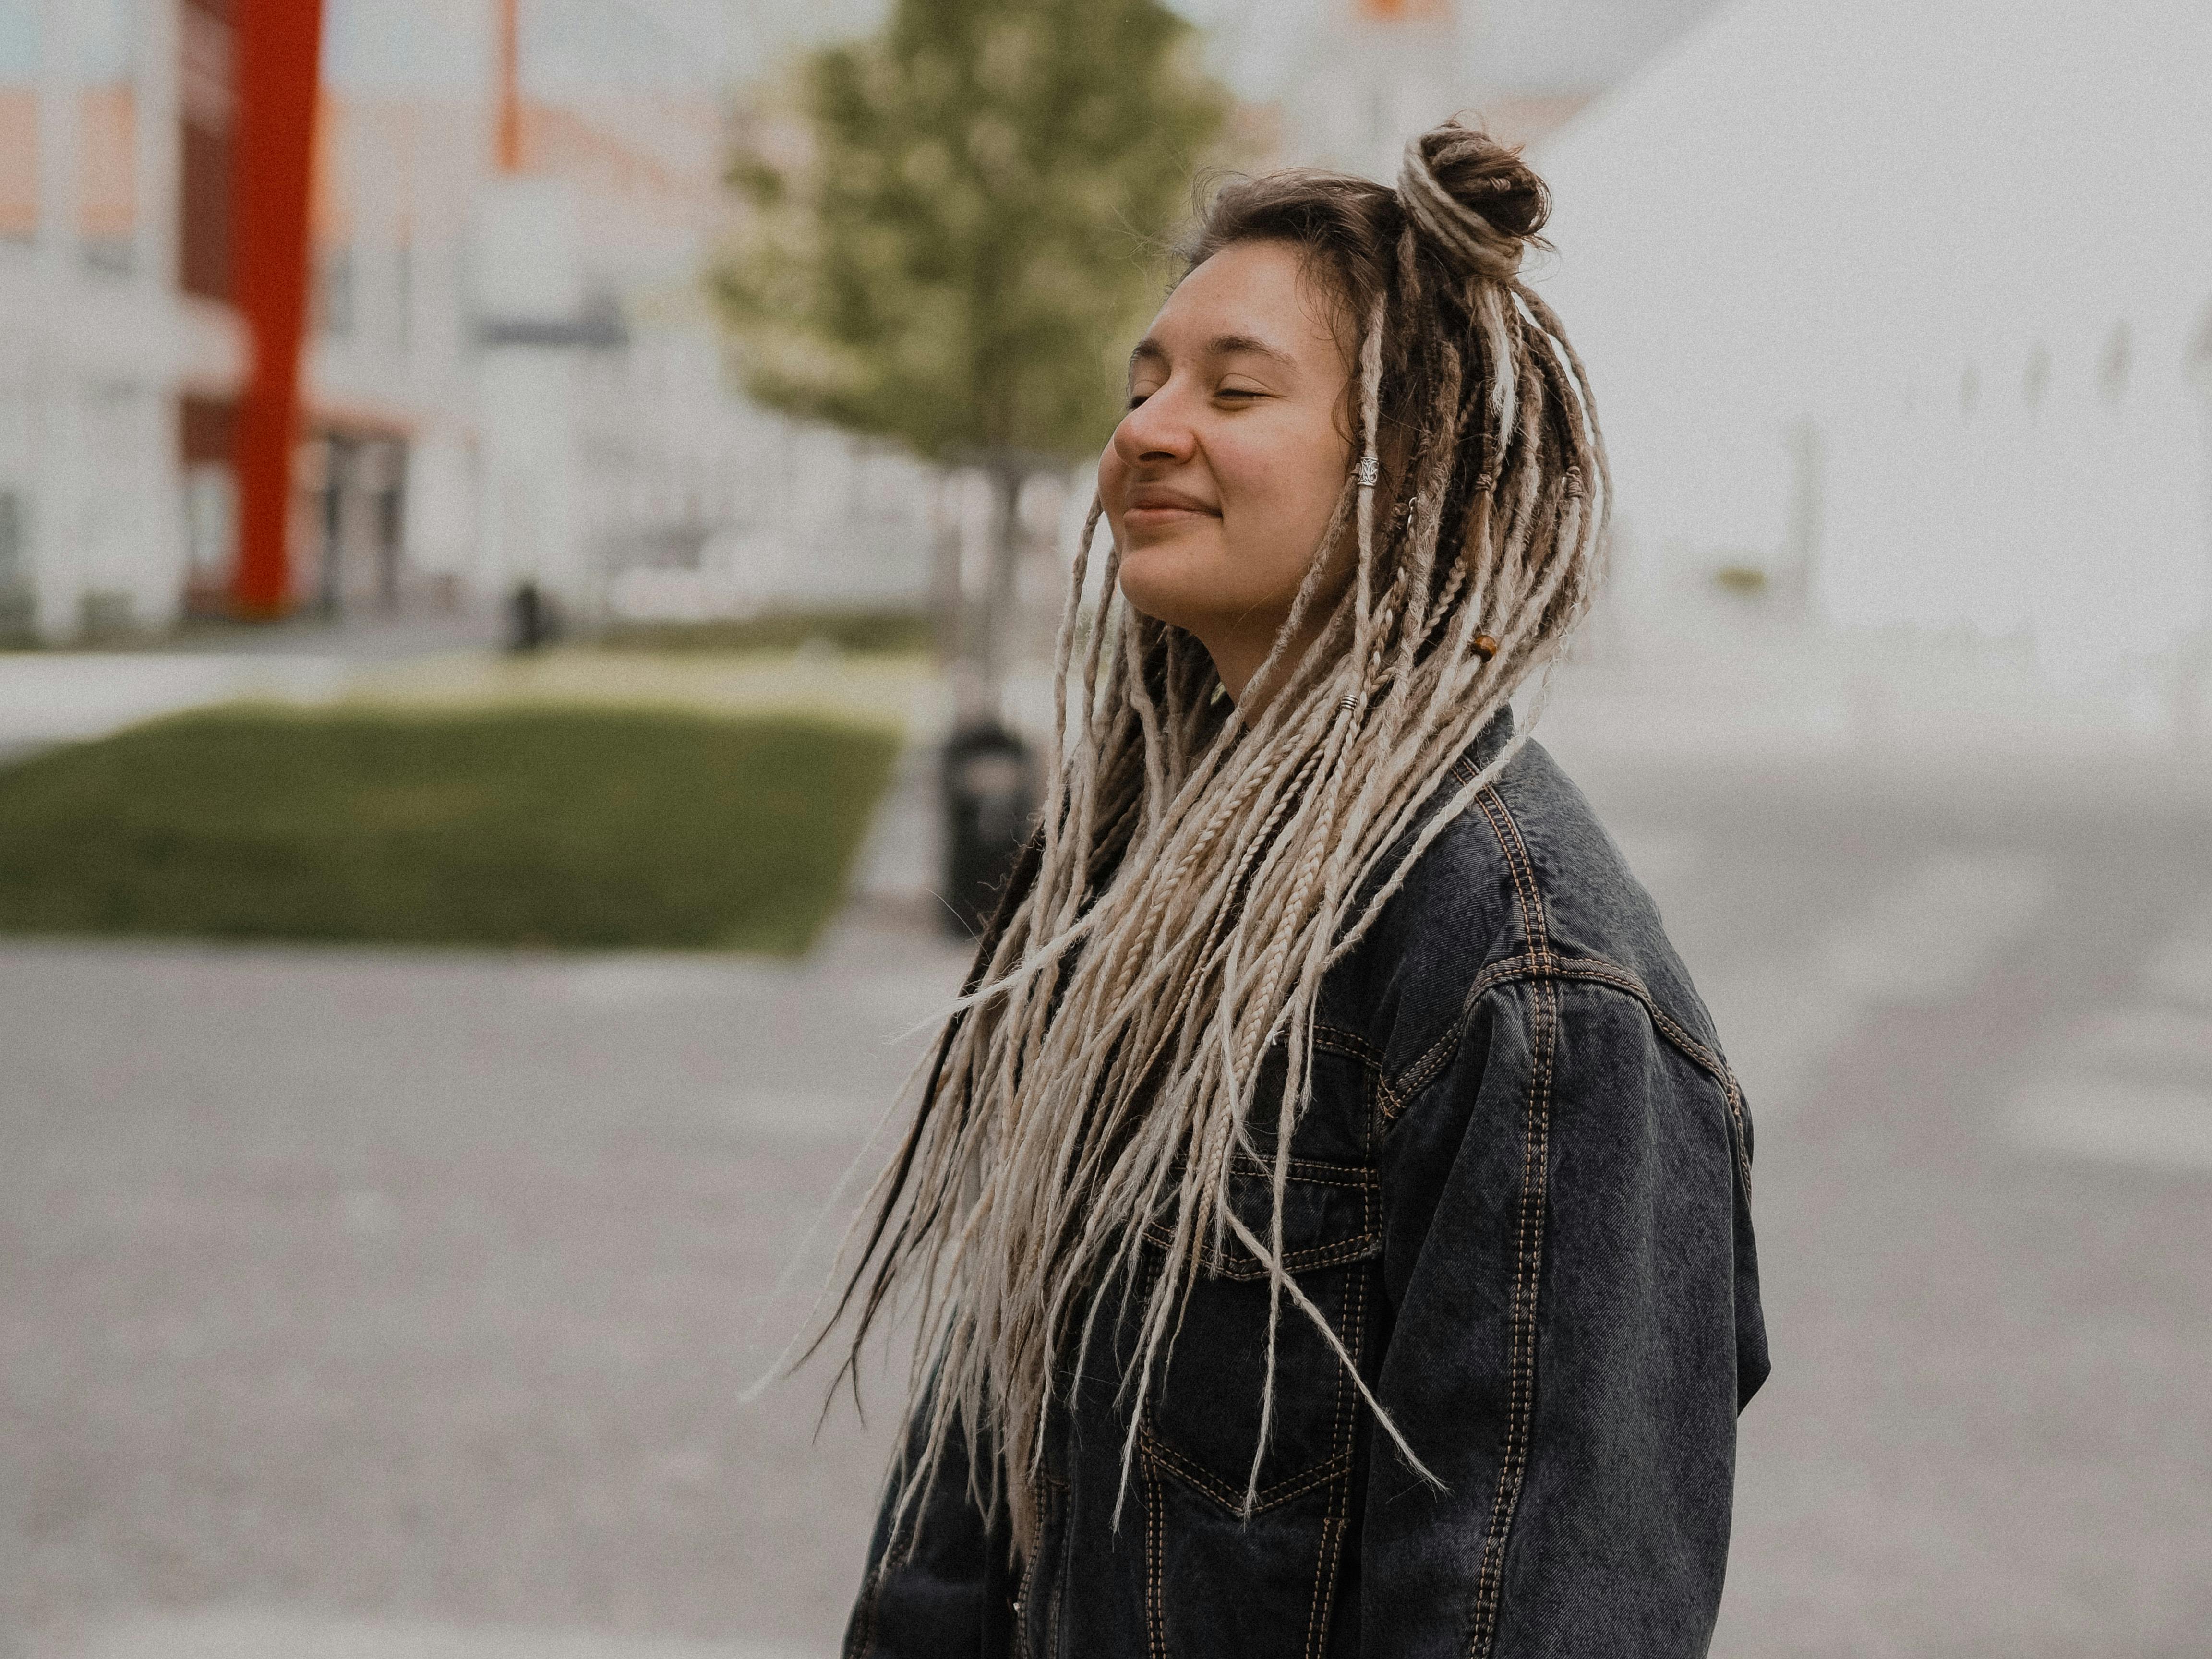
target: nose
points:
(1156, 433)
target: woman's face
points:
(1222, 476)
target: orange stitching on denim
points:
(1028, 1569)
(1387, 1098)
(1321, 1570)
(1307, 1169)
(1524, 866)
(1521, 1363)
(1332, 1534)
(1236, 1262)
(1314, 1173)
(1156, 1634)
(1515, 850)
(1600, 971)
(1418, 1075)
(1247, 1267)
(1414, 1078)
(1355, 1335)
(1191, 1474)
(1339, 1442)
(1742, 1139)
(1532, 929)
(1595, 970)
(1338, 1039)
(1318, 1255)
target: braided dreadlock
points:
(1196, 874)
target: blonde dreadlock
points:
(1195, 876)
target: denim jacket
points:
(1521, 1195)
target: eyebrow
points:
(1221, 345)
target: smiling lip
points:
(1154, 507)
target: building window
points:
(207, 435)
(107, 136)
(334, 289)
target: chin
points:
(1158, 581)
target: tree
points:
(957, 221)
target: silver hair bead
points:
(1370, 470)
(1349, 702)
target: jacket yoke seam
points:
(1540, 961)
(1398, 1092)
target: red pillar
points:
(276, 47)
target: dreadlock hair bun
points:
(1474, 199)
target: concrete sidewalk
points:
(71, 696)
(256, 1633)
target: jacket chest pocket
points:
(1203, 1422)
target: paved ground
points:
(357, 1304)
(421, 1289)
(1975, 1021)
(63, 696)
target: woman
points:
(1327, 1220)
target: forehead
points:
(1257, 291)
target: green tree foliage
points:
(955, 222)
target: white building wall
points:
(1965, 244)
(1364, 87)
(560, 463)
(91, 356)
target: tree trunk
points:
(1001, 619)
(948, 603)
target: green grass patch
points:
(581, 828)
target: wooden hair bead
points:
(1487, 646)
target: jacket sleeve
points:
(942, 1590)
(1567, 1255)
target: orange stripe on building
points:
(1404, 11)
(19, 161)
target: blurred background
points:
(531, 532)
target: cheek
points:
(1111, 471)
(1279, 506)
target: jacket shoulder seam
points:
(1586, 970)
(1534, 933)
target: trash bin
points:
(987, 784)
(533, 619)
